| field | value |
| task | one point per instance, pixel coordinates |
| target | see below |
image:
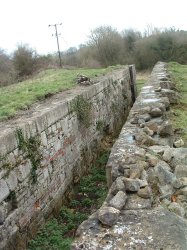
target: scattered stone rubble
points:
(83, 80)
(146, 206)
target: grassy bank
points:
(21, 95)
(179, 117)
(58, 233)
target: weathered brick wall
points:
(46, 152)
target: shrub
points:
(7, 73)
(25, 61)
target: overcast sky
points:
(26, 21)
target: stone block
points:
(179, 143)
(145, 192)
(117, 185)
(165, 129)
(11, 141)
(45, 173)
(4, 190)
(177, 209)
(132, 185)
(11, 159)
(41, 121)
(180, 182)
(119, 200)
(172, 95)
(163, 171)
(3, 149)
(23, 171)
(3, 212)
(153, 126)
(108, 215)
(135, 202)
(167, 154)
(12, 181)
(152, 160)
(182, 191)
(156, 112)
(181, 171)
(57, 145)
(44, 138)
(166, 191)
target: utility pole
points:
(56, 34)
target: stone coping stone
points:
(154, 229)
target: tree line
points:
(105, 47)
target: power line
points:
(56, 34)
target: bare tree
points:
(108, 45)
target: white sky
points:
(26, 21)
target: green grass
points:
(58, 233)
(51, 237)
(179, 119)
(139, 84)
(141, 79)
(21, 95)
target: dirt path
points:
(43, 106)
